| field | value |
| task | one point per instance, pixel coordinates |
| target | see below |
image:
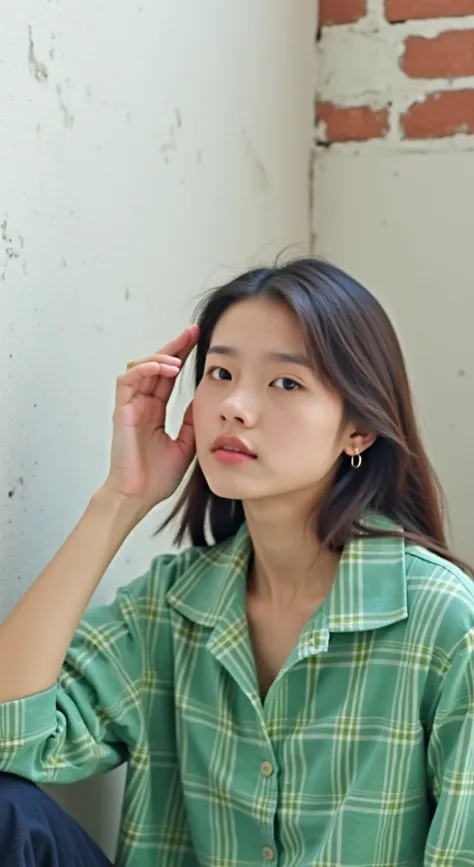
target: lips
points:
(232, 444)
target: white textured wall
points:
(398, 212)
(144, 148)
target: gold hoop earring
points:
(356, 460)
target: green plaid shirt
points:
(362, 754)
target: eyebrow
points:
(291, 357)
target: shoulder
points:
(181, 569)
(440, 599)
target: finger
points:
(165, 387)
(186, 340)
(185, 438)
(160, 357)
(146, 369)
(142, 378)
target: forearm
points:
(35, 636)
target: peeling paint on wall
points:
(171, 143)
(259, 175)
(406, 86)
(68, 118)
(37, 69)
(11, 248)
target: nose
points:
(240, 407)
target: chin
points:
(233, 488)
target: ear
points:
(357, 441)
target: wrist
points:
(125, 511)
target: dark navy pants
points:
(36, 832)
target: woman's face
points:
(259, 387)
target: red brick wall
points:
(401, 70)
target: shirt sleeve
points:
(85, 723)
(450, 763)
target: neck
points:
(289, 563)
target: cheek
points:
(203, 411)
(309, 427)
(198, 409)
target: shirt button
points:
(268, 853)
(266, 769)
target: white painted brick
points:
(351, 62)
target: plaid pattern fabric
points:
(362, 754)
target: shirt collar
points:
(369, 589)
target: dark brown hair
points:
(356, 351)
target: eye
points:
(286, 384)
(218, 373)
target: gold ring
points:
(130, 364)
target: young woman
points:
(296, 688)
